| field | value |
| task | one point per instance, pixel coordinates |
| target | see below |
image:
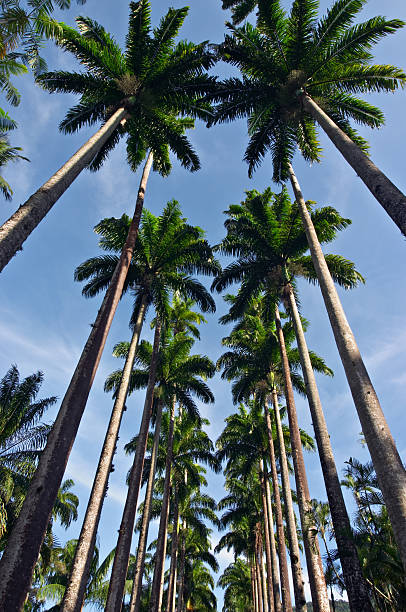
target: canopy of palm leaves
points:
(266, 236)
(168, 250)
(155, 79)
(236, 581)
(288, 54)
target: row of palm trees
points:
(293, 74)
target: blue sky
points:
(44, 321)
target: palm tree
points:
(236, 581)
(298, 70)
(7, 154)
(139, 93)
(166, 250)
(267, 230)
(381, 445)
(182, 66)
(178, 374)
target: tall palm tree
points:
(167, 251)
(138, 93)
(179, 376)
(299, 69)
(268, 233)
(182, 66)
(381, 445)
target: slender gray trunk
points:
(264, 583)
(283, 565)
(274, 557)
(313, 557)
(158, 579)
(170, 607)
(256, 601)
(270, 555)
(388, 465)
(21, 554)
(388, 195)
(297, 576)
(252, 588)
(19, 226)
(258, 564)
(181, 581)
(135, 602)
(75, 591)
(121, 558)
(354, 581)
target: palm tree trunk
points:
(385, 457)
(382, 188)
(135, 602)
(19, 226)
(354, 581)
(283, 564)
(18, 560)
(181, 581)
(252, 589)
(277, 599)
(313, 557)
(270, 555)
(297, 577)
(158, 580)
(264, 582)
(256, 600)
(174, 555)
(121, 558)
(75, 591)
(258, 573)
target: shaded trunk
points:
(121, 558)
(19, 226)
(386, 460)
(297, 576)
(274, 558)
(264, 583)
(18, 560)
(158, 580)
(354, 581)
(75, 591)
(135, 601)
(259, 580)
(313, 557)
(253, 594)
(283, 565)
(388, 195)
(181, 581)
(256, 601)
(270, 555)
(174, 556)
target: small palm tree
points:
(7, 154)
(298, 70)
(236, 582)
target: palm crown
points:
(266, 235)
(168, 250)
(288, 55)
(156, 80)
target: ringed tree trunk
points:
(297, 576)
(270, 550)
(354, 581)
(388, 195)
(256, 600)
(388, 465)
(158, 579)
(258, 563)
(21, 554)
(135, 601)
(19, 226)
(283, 565)
(174, 554)
(313, 557)
(121, 558)
(75, 590)
(252, 589)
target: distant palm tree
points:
(298, 70)
(236, 581)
